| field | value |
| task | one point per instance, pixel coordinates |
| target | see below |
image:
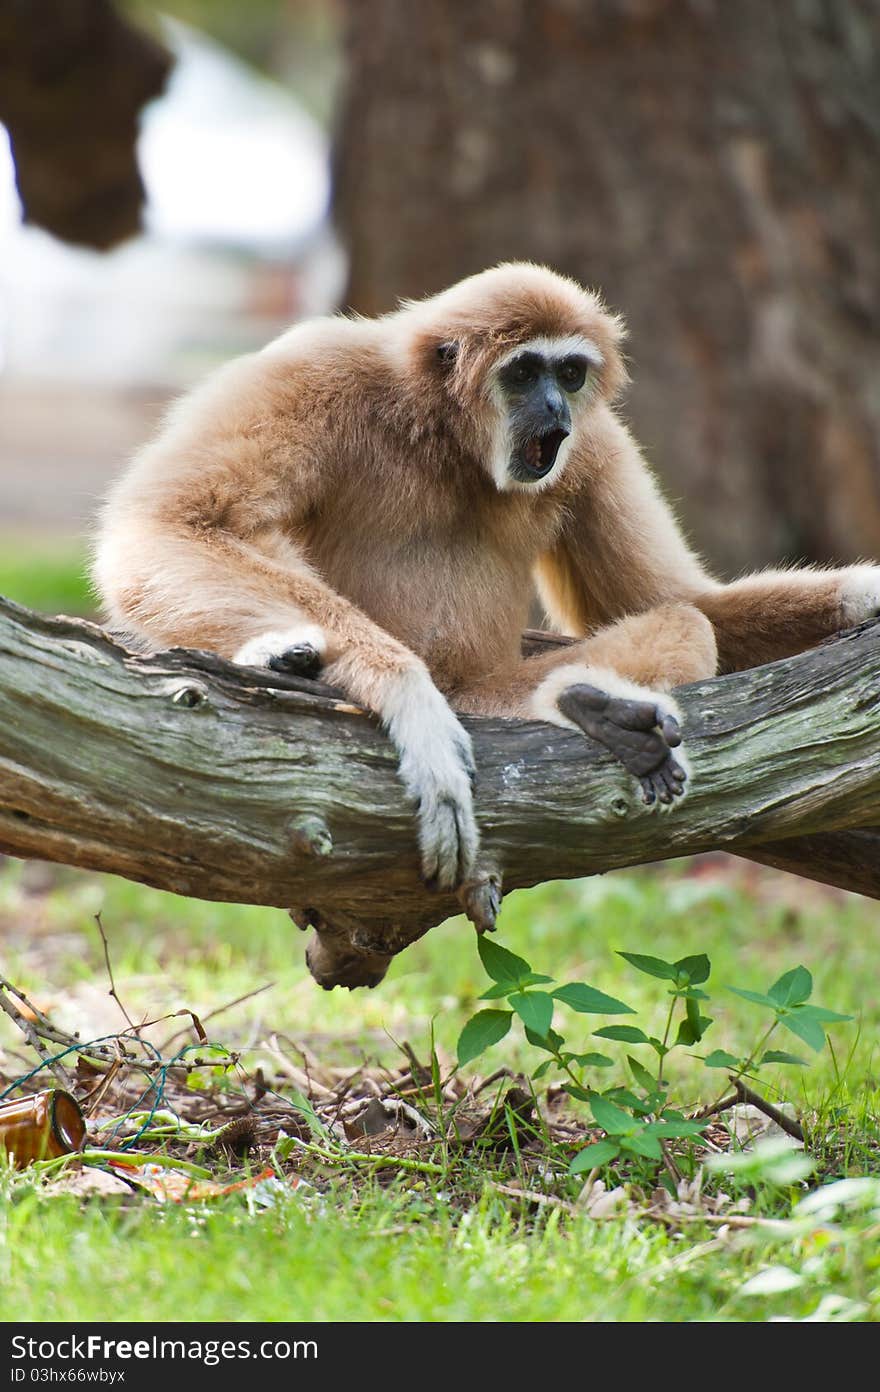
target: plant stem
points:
(379, 1161)
(664, 1043)
(130, 1158)
(744, 1068)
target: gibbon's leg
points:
(612, 686)
(779, 613)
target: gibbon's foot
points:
(300, 660)
(640, 734)
(480, 898)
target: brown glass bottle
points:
(41, 1127)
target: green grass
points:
(418, 1248)
(47, 573)
(387, 1256)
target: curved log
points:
(182, 771)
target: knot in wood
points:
(192, 696)
(310, 836)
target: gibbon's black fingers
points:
(634, 731)
(301, 660)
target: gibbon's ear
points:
(447, 353)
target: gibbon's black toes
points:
(301, 660)
(639, 734)
(481, 900)
(671, 730)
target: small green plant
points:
(636, 1116)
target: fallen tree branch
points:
(182, 771)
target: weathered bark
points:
(182, 771)
(73, 78)
(712, 167)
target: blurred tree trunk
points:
(712, 167)
(74, 75)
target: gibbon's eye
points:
(522, 370)
(572, 373)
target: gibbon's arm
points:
(195, 549)
(620, 551)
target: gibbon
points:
(377, 499)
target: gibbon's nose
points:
(557, 409)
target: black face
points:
(537, 389)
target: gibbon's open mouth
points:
(539, 453)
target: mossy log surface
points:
(182, 771)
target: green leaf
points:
(642, 1076)
(611, 1118)
(676, 1128)
(500, 964)
(586, 1000)
(771, 1162)
(543, 1068)
(551, 1040)
(696, 969)
(792, 988)
(720, 1058)
(535, 1009)
(627, 1034)
(780, 1056)
(318, 1128)
(591, 1060)
(481, 1031)
(652, 966)
(773, 1280)
(500, 989)
(642, 1144)
(579, 1093)
(818, 1012)
(503, 988)
(598, 1154)
(625, 1098)
(754, 996)
(807, 1029)
(691, 1030)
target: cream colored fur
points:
(347, 483)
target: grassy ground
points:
(452, 1246)
(456, 1244)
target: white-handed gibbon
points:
(378, 498)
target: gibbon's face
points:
(538, 388)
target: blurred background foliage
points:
(710, 168)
